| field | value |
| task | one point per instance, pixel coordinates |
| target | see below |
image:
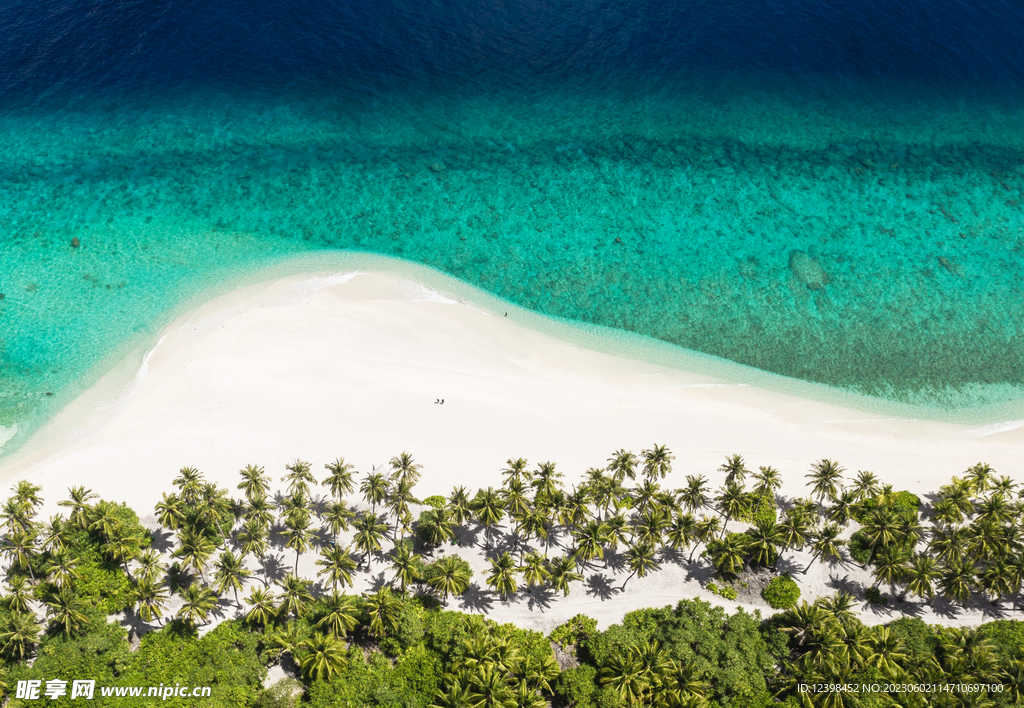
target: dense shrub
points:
(781, 593)
(904, 503)
(577, 687)
(1007, 636)
(726, 591)
(875, 596)
(725, 650)
(225, 659)
(372, 681)
(763, 510)
(919, 640)
(860, 548)
(574, 631)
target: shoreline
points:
(122, 365)
(317, 365)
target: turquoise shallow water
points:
(868, 237)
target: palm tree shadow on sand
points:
(540, 598)
(162, 542)
(277, 567)
(475, 599)
(601, 586)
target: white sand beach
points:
(326, 364)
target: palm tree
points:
(20, 597)
(590, 542)
(682, 531)
(624, 675)
(374, 489)
(295, 596)
(562, 572)
(55, 534)
(18, 634)
(252, 540)
(338, 565)
(880, 528)
(61, 569)
(489, 688)
(704, 532)
(648, 527)
(299, 477)
(866, 485)
(16, 515)
(78, 502)
(255, 482)
(66, 610)
(199, 600)
(890, 566)
(407, 565)
(825, 476)
(459, 505)
(516, 471)
(735, 470)
(997, 580)
(383, 610)
(957, 581)
(645, 496)
(765, 540)
(150, 564)
(769, 481)
(922, 573)
(729, 554)
(369, 533)
(454, 694)
(546, 480)
(341, 615)
(842, 507)
(732, 502)
(641, 561)
(449, 577)
(399, 500)
(340, 480)
(436, 526)
(189, 481)
(502, 577)
(230, 573)
(195, 550)
(283, 639)
(536, 525)
(337, 515)
(261, 607)
(622, 464)
(534, 570)
(149, 598)
(299, 534)
(826, 545)
(980, 475)
(404, 469)
(260, 510)
(322, 657)
(888, 655)
(121, 546)
(488, 510)
(20, 547)
(577, 507)
(657, 461)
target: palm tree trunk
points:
(813, 558)
(628, 578)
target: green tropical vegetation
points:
(216, 595)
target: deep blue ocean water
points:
(828, 191)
